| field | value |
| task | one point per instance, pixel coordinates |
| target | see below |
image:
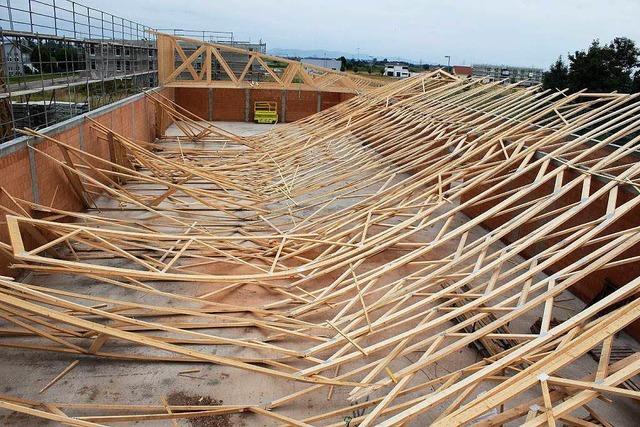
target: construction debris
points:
(352, 226)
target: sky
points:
(516, 32)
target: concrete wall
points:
(236, 105)
(30, 175)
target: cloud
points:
(519, 32)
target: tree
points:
(343, 63)
(599, 68)
(557, 77)
(636, 82)
(604, 68)
(41, 58)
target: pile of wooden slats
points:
(351, 224)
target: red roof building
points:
(462, 70)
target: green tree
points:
(604, 68)
(41, 58)
(343, 63)
(636, 82)
(557, 77)
(599, 68)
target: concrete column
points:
(210, 107)
(159, 119)
(247, 105)
(133, 124)
(35, 192)
(319, 106)
(283, 106)
(145, 108)
(81, 133)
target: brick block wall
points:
(16, 180)
(329, 99)
(236, 105)
(196, 100)
(228, 105)
(301, 104)
(133, 118)
(593, 284)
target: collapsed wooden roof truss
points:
(352, 222)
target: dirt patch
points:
(181, 398)
(90, 391)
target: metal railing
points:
(224, 37)
(220, 37)
(64, 18)
(61, 58)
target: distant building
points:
(526, 75)
(17, 58)
(139, 58)
(332, 64)
(462, 70)
(107, 58)
(396, 70)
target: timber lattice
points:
(192, 63)
(351, 223)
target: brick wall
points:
(593, 284)
(301, 104)
(228, 104)
(236, 105)
(195, 100)
(36, 177)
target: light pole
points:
(448, 60)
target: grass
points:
(36, 77)
(377, 76)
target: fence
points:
(61, 58)
(225, 37)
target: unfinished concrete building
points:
(431, 251)
(526, 76)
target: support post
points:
(159, 113)
(166, 58)
(247, 105)
(210, 108)
(81, 133)
(283, 106)
(35, 192)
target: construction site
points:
(236, 238)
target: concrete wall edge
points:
(20, 142)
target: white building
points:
(396, 70)
(332, 64)
(17, 59)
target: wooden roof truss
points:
(186, 62)
(352, 222)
